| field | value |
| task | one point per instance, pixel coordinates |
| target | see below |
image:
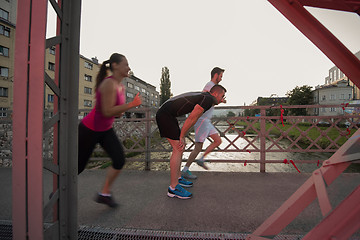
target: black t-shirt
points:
(185, 103)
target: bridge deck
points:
(222, 202)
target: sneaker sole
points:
(189, 177)
(184, 185)
(203, 166)
(174, 195)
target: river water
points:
(255, 167)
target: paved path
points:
(222, 202)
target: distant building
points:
(332, 94)
(149, 95)
(7, 50)
(265, 101)
(335, 75)
(88, 69)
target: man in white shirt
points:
(203, 129)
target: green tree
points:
(230, 114)
(300, 96)
(165, 85)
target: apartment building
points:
(7, 46)
(332, 94)
(149, 95)
(335, 75)
(88, 69)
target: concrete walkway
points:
(222, 202)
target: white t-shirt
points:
(208, 114)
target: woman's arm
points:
(108, 90)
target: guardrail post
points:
(148, 140)
(262, 139)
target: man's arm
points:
(189, 122)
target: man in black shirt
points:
(195, 103)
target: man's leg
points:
(216, 142)
(194, 153)
(175, 162)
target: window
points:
(88, 78)
(52, 50)
(342, 96)
(4, 72)
(324, 98)
(88, 65)
(137, 88)
(87, 103)
(2, 113)
(332, 109)
(130, 95)
(349, 96)
(50, 98)
(4, 51)
(87, 90)
(143, 90)
(4, 14)
(4, 31)
(51, 66)
(4, 92)
(130, 85)
(332, 97)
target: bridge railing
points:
(258, 133)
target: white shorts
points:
(203, 129)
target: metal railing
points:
(256, 136)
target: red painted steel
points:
(35, 116)
(304, 195)
(341, 223)
(28, 114)
(19, 185)
(321, 192)
(343, 5)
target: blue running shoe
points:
(185, 183)
(179, 192)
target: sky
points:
(261, 51)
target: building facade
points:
(149, 95)
(332, 94)
(88, 69)
(335, 75)
(7, 50)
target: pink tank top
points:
(95, 120)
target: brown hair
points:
(114, 58)
(216, 70)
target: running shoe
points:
(201, 163)
(108, 200)
(185, 183)
(179, 192)
(187, 174)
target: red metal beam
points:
(28, 115)
(321, 37)
(19, 121)
(341, 223)
(342, 5)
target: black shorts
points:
(168, 125)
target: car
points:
(323, 124)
